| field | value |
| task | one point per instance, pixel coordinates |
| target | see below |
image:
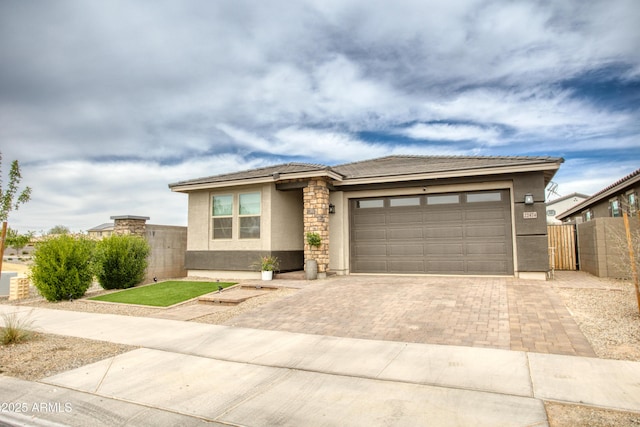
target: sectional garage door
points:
(452, 233)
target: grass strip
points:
(162, 294)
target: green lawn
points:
(163, 294)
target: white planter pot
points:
(267, 275)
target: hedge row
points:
(65, 266)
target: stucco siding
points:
(530, 223)
(287, 229)
(602, 247)
(338, 236)
(198, 221)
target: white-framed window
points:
(249, 215)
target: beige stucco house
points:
(101, 231)
(391, 215)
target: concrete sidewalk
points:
(191, 374)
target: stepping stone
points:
(231, 297)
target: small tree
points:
(59, 229)
(7, 202)
(62, 267)
(121, 261)
(17, 241)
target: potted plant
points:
(314, 239)
(268, 264)
(311, 267)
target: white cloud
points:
(81, 194)
(452, 132)
(205, 87)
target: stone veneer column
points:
(316, 220)
(129, 224)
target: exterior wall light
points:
(528, 199)
(332, 208)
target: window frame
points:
(632, 202)
(222, 216)
(250, 215)
(588, 215)
(615, 207)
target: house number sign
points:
(530, 215)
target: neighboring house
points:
(396, 214)
(601, 233)
(562, 204)
(608, 202)
(101, 231)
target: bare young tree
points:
(8, 200)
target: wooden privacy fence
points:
(562, 247)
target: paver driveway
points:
(503, 313)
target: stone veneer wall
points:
(316, 220)
(126, 225)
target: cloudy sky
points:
(106, 103)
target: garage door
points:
(452, 233)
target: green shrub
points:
(314, 239)
(62, 267)
(121, 261)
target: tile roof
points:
(398, 166)
(255, 173)
(407, 165)
(101, 227)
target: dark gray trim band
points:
(241, 260)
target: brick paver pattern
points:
(504, 313)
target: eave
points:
(548, 168)
(274, 178)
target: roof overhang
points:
(549, 170)
(273, 178)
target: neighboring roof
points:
(620, 185)
(569, 196)
(384, 169)
(102, 227)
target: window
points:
(632, 199)
(404, 201)
(484, 197)
(249, 208)
(445, 199)
(614, 208)
(366, 204)
(588, 215)
(222, 216)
